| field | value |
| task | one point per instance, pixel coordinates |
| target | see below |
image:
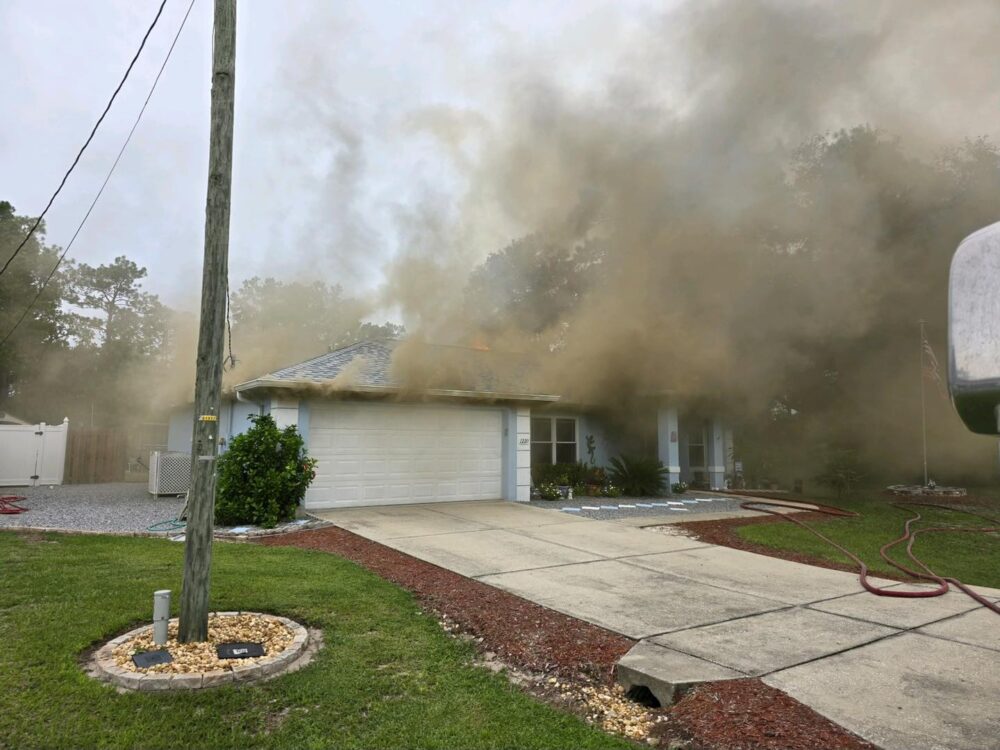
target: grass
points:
(972, 558)
(388, 676)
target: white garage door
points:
(381, 454)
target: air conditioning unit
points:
(169, 473)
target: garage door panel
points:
(370, 454)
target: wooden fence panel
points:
(95, 455)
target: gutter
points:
(260, 383)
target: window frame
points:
(553, 442)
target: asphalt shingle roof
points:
(368, 364)
(376, 354)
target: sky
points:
(334, 103)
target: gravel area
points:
(122, 507)
(609, 508)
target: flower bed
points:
(197, 665)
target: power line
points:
(107, 178)
(90, 137)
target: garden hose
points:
(909, 536)
(8, 507)
(173, 524)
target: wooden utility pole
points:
(211, 335)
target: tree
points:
(276, 323)
(129, 322)
(531, 284)
(43, 329)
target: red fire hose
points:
(7, 506)
(909, 536)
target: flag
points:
(930, 364)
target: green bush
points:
(549, 491)
(679, 487)
(842, 470)
(573, 475)
(564, 474)
(638, 476)
(263, 476)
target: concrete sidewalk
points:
(906, 674)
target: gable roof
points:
(449, 371)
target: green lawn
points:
(972, 558)
(388, 676)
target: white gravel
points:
(118, 508)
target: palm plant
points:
(638, 476)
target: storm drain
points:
(643, 696)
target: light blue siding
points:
(233, 420)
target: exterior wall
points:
(605, 447)
(522, 431)
(668, 442)
(233, 420)
(716, 450)
(285, 411)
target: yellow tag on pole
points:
(208, 418)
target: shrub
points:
(638, 476)
(609, 490)
(263, 476)
(563, 474)
(549, 491)
(679, 487)
(841, 470)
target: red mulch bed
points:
(749, 715)
(527, 635)
(732, 715)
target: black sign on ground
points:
(147, 659)
(239, 650)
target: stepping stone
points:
(661, 505)
(609, 507)
(644, 505)
(674, 502)
(570, 510)
(590, 507)
(626, 506)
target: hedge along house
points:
(463, 424)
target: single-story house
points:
(380, 442)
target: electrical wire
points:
(107, 178)
(86, 143)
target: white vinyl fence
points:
(32, 454)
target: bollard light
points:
(161, 616)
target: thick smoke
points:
(730, 238)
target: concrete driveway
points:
(906, 674)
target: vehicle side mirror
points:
(974, 330)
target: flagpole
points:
(923, 405)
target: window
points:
(696, 448)
(553, 440)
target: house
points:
(472, 430)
